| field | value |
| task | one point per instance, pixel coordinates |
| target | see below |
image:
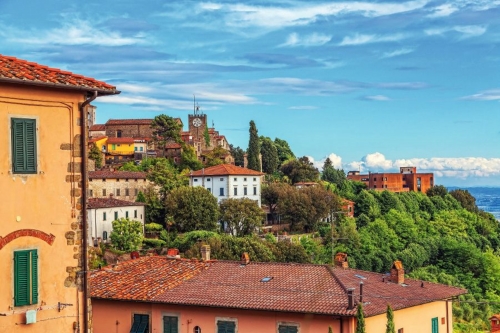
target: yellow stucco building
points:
(42, 177)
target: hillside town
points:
(154, 225)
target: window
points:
(119, 134)
(221, 179)
(141, 148)
(195, 180)
(221, 191)
(208, 179)
(126, 214)
(245, 191)
(375, 179)
(255, 190)
(435, 327)
(135, 213)
(140, 323)
(254, 179)
(245, 179)
(235, 179)
(135, 148)
(127, 192)
(91, 193)
(23, 142)
(209, 189)
(117, 192)
(103, 192)
(235, 191)
(25, 277)
(113, 147)
(197, 329)
(104, 216)
(116, 215)
(226, 326)
(170, 324)
(385, 178)
(287, 329)
(401, 330)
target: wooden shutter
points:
(23, 145)
(435, 327)
(287, 329)
(140, 324)
(25, 277)
(226, 326)
(170, 324)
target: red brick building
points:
(406, 180)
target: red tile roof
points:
(173, 145)
(129, 122)
(300, 288)
(225, 170)
(142, 279)
(95, 203)
(120, 140)
(15, 70)
(97, 139)
(117, 175)
(97, 127)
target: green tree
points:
(367, 204)
(127, 235)
(465, 199)
(206, 136)
(165, 130)
(96, 155)
(155, 210)
(438, 190)
(301, 170)
(271, 194)
(238, 155)
(242, 216)
(192, 208)
(164, 174)
(215, 156)
(332, 175)
(294, 207)
(360, 319)
(285, 153)
(189, 160)
(269, 155)
(253, 152)
(389, 328)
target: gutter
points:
(83, 124)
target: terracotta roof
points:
(120, 140)
(95, 203)
(377, 293)
(173, 145)
(142, 279)
(97, 127)
(305, 184)
(225, 170)
(97, 139)
(299, 288)
(117, 175)
(129, 122)
(21, 71)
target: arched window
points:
(197, 329)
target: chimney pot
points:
(341, 260)
(397, 273)
(245, 258)
(361, 292)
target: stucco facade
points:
(122, 185)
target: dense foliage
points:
(253, 151)
(96, 155)
(127, 235)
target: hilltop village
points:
(144, 225)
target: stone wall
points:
(101, 188)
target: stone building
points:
(123, 185)
(43, 115)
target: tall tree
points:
(360, 319)
(215, 156)
(189, 160)
(332, 175)
(165, 130)
(269, 153)
(96, 155)
(271, 194)
(466, 199)
(192, 208)
(127, 235)
(242, 216)
(390, 321)
(301, 170)
(206, 136)
(253, 152)
(285, 153)
(238, 155)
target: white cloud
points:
(465, 30)
(75, 32)
(443, 10)
(336, 161)
(314, 39)
(379, 98)
(397, 53)
(303, 107)
(242, 15)
(487, 95)
(359, 39)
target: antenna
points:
(213, 125)
(196, 107)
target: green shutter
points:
(25, 277)
(287, 329)
(435, 327)
(23, 145)
(170, 324)
(226, 326)
(140, 324)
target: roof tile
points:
(225, 170)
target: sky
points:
(373, 85)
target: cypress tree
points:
(253, 152)
(390, 321)
(206, 136)
(360, 318)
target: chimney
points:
(397, 273)
(205, 252)
(341, 260)
(350, 299)
(245, 258)
(361, 292)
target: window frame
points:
(26, 170)
(226, 319)
(147, 328)
(287, 324)
(170, 315)
(31, 295)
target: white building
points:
(229, 181)
(101, 212)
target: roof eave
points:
(100, 92)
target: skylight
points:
(266, 279)
(360, 277)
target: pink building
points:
(161, 294)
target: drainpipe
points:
(83, 124)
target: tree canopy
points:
(165, 130)
(241, 216)
(301, 170)
(253, 152)
(269, 153)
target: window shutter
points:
(23, 145)
(21, 278)
(287, 329)
(226, 327)
(34, 277)
(170, 324)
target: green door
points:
(435, 327)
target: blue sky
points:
(373, 84)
